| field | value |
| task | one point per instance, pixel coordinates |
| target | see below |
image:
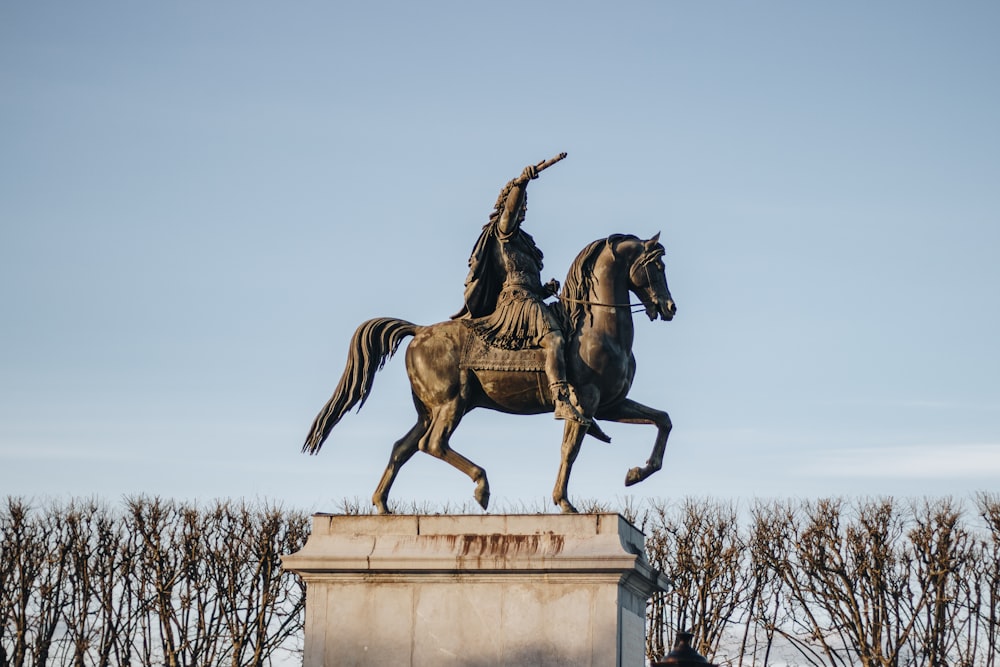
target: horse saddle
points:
(480, 355)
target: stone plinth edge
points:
(598, 543)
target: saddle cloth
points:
(480, 355)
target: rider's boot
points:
(567, 404)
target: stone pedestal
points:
(473, 591)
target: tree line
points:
(831, 583)
(156, 582)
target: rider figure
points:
(504, 295)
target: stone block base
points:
(472, 591)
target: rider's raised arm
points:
(510, 215)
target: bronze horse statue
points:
(447, 382)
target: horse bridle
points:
(638, 307)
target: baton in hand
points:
(545, 164)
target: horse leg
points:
(630, 412)
(573, 434)
(404, 448)
(444, 420)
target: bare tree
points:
(81, 621)
(942, 550)
(768, 542)
(21, 560)
(198, 604)
(33, 572)
(849, 581)
(260, 606)
(703, 554)
(98, 607)
(153, 522)
(657, 610)
(988, 569)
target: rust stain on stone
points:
(500, 545)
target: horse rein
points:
(640, 306)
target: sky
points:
(200, 202)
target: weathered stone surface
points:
(475, 590)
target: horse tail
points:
(373, 343)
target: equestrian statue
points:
(508, 350)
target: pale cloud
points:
(912, 462)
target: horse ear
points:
(656, 238)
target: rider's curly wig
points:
(502, 200)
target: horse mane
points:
(580, 278)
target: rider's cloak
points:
(486, 270)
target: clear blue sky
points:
(199, 202)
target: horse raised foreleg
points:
(404, 448)
(573, 434)
(444, 420)
(630, 412)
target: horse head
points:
(648, 280)
(638, 264)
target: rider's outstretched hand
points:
(529, 174)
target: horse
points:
(594, 303)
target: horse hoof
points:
(483, 497)
(634, 476)
(567, 507)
